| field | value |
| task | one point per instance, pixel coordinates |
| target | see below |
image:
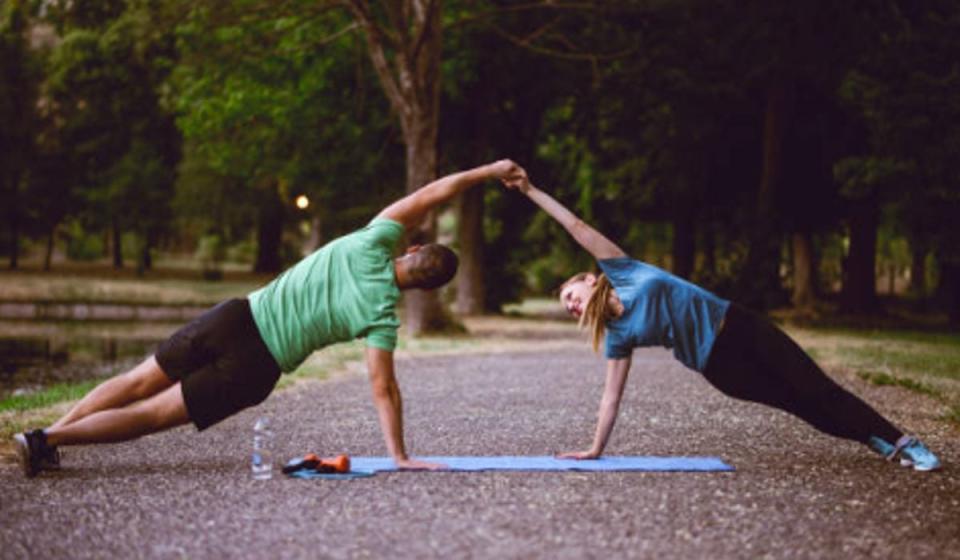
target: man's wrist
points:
(487, 171)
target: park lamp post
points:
(310, 228)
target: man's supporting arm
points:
(411, 209)
(389, 404)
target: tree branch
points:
(425, 30)
(375, 48)
(543, 5)
(592, 57)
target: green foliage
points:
(118, 145)
(905, 92)
(81, 245)
(20, 67)
(278, 98)
(645, 118)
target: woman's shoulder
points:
(625, 269)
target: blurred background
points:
(800, 156)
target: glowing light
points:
(302, 202)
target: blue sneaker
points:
(913, 453)
(881, 446)
(910, 450)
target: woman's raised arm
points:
(590, 239)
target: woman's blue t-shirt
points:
(660, 309)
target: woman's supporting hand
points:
(578, 455)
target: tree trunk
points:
(146, 258)
(470, 287)
(710, 252)
(860, 280)
(804, 272)
(950, 290)
(48, 255)
(13, 213)
(315, 240)
(684, 242)
(14, 240)
(117, 237)
(759, 283)
(423, 310)
(269, 232)
(406, 57)
(918, 271)
(144, 261)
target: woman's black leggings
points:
(755, 361)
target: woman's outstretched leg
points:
(754, 360)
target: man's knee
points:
(147, 380)
(165, 410)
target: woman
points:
(633, 304)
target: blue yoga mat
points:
(548, 463)
(366, 466)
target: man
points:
(231, 357)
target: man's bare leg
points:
(143, 381)
(157, 413)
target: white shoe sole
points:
(909, 463)
(23, 452)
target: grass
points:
(882, 379)
(926, 363)
(51, 395)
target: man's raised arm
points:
(411, 209)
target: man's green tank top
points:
(344, 290)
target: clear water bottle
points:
(261, 464)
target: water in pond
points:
(28, 363)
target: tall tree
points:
(404, 40)
(19, 77)
(278, 101)
(104, 85)
(905, 92)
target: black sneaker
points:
(32, 449)
(51, 459)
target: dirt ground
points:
(795, 492)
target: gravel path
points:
(795, 493)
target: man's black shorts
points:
(221, 361)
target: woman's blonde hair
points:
(598, 309)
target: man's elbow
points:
(382, 389)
